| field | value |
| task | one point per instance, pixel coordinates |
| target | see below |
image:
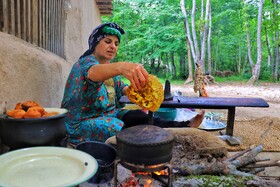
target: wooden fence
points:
(40, 22)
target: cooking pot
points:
(105, 155)
(21, 133)
(145, 144)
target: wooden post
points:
(230, 121)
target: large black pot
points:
(105, 155)
(21, 133)
(145, 144)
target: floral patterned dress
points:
(94, 111)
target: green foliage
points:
(232, 79)
(155, 29)
(265, 74)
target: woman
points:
(94, 87)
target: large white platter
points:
(46, 167)
(212, 125)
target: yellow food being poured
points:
(150, 98)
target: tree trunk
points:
(268, 48)
(174, 70)
(275, 58)
(276, 70)
(158, 64)
(194, 31)
(204, 38)
(209, 42)
(190, 77)
(239, 60)
(182, 65)
(183, 9)
(152, 61)
(249, 43)
(256, 67)
(244, 64)
(201, 21)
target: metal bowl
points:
(21, 133)
(166, 113)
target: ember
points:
(141, 179)
(130, 182)
(146, 175)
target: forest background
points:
(235, 38)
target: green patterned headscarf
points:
(112, 31)
(100, 32)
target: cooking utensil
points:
(167, 91)
(46, 166)
(105, 155)
(145, 144)
(178, 95)
(21, 133)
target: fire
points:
(162, 172)
(143, 178)
(146, 176)
(148, 183)
(131, 182)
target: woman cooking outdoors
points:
(94, 87)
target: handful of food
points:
(150, 98)
(29, 109)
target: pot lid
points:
(145, 135)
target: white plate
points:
(212, 125)
(46, 167)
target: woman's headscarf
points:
(100, 32)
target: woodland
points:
(225, 37)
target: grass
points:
(224, 180)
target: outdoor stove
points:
(145, 149)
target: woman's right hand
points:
(136, 74)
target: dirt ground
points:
(268, 91)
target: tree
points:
(209, 62)
(255, 67)
(198, 55)
(277, 41)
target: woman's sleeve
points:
(87, 63)
(119, 87)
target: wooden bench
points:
(213, 103)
